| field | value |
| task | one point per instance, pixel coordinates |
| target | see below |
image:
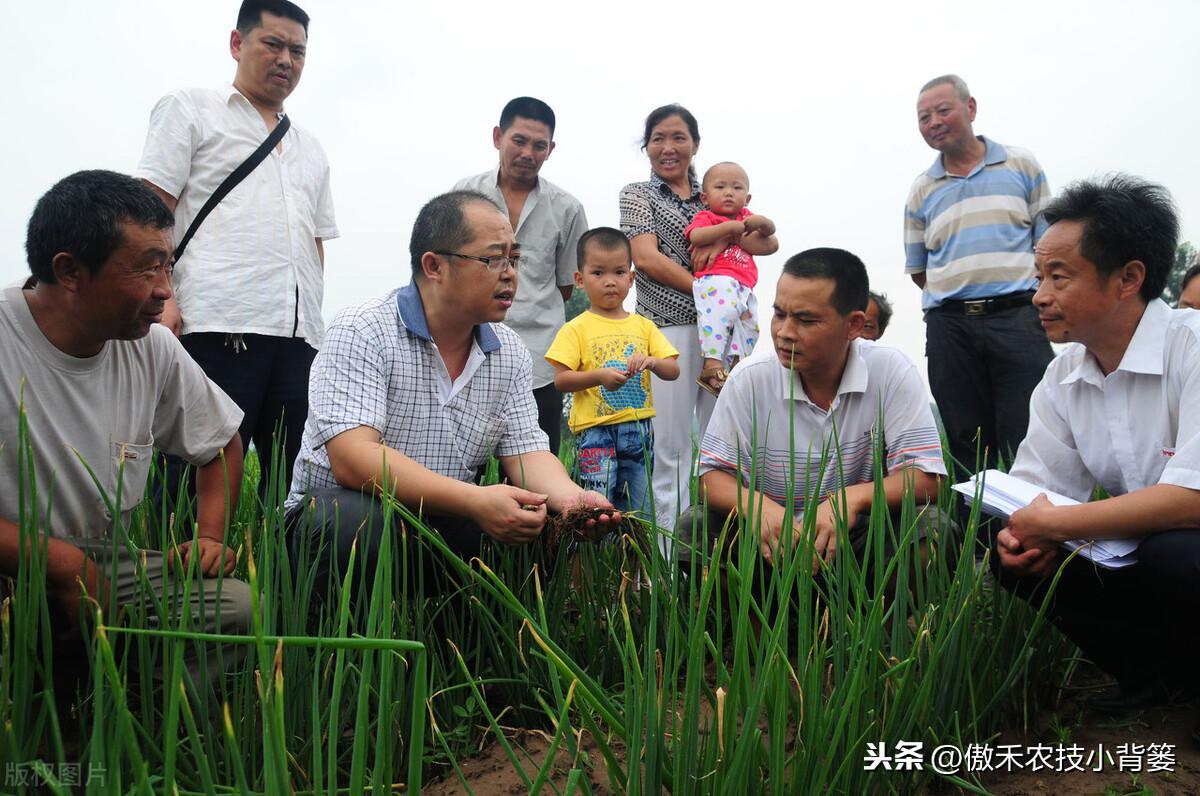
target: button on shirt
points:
(252, 266)
(380, 368)
(764, 420)
(551, 224)
(1134, 428)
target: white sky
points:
(816, 100)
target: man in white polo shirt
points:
(1117, 409)
(816, 409)
(548, 222)
(249, 286)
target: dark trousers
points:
(549, 408)
(268, 380)
(982, 370)
(1140, 623)
(332, 518)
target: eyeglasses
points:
(497, 263)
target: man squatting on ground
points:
(822, 382)
(433, 356)
(548, 223)
(970, 224)
(1117, 409)
(250, 282)
(102, 383)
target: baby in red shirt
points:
(726, 310)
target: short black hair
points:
(848, 273)
(250, 14)
(527, 108)
(1188, 275)
(442, 225)
(664, 112)
(1124, 218)
(605, 238)
(82, 215)
(885, 309)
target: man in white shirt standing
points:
(548, 222)
(1116, 409)
(248, 287)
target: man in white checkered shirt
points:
(414, 390)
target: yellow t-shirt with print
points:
(589, 342)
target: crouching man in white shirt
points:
(1117, 409)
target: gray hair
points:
(960, 85)
(885, 309)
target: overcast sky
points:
(816, 100)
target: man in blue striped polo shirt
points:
(970, 225)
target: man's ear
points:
(972, 107)
(433, 266)
(67, 271)
(550, 151)
(1132, 275)
(235, 44)
(855, 320)
(497, 134)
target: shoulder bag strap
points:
(230, 182)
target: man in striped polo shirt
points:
(970, 225)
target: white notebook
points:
(1001, 495)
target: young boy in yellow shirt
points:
(605, 356)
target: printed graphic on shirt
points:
(615, 353)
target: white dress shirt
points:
(1136, 427)
(252, 266)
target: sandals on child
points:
(712, 379)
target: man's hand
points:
(1037, 562)
(606, 522)
(611, 378)
(508, 514)
(1036, 525)
(639, 362)
(771, 528)
(69, 575)
(171, 317)
(211, 562)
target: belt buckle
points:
(975, 307)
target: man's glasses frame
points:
(495, 263)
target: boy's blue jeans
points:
(616, 461)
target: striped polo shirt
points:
(764, 424)
(973, 236)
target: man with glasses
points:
(414, 391)
(548, 222)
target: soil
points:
(491, 772)
(1077, 725)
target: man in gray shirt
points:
(548, 222)
(100, 382)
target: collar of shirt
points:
(412, 316)
(854, 379)
(660, 185)
(230, 91)
(530, 201)
(1142, 355)
(993, 154)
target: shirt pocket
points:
(129, 467)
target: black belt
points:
(988, 305)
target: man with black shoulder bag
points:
(251, 197)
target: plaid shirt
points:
(376, 369)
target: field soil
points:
(492, 772)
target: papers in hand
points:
(1002, 495)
